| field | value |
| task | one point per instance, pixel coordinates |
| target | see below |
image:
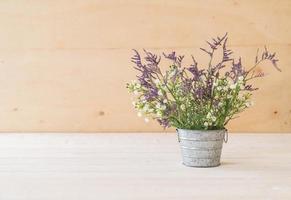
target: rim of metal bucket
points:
(225, 139)
(198, 131)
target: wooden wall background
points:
(64, 63)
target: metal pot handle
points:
(225, 139)
(178, 135)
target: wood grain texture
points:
(64, 64)
(140, 166)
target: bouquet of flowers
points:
(188, 97)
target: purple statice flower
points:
(250, 88)
(176, 59)
(214, 44)
(164, 122)
(148, 72)
(152, 61)
(193, 69)
(265, 56)
(151, 94)
(236, 71)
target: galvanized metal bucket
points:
(201, 148)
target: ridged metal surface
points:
(201, 148)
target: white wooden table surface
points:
(140, 167)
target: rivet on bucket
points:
(201, 148)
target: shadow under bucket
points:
(201, 148)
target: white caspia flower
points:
(213, 118)
(172, 73)
(138, 86)
(241, 96)
(205, 124)
(249, 103)
(135, 92)
(183, 107)
(163, 107)
(232, 86)
(159, 114)
(157, 81)
(158, 106)
(151, 110)
(240, 78)
(164, 87)
(146, 120)
(146, 108)
(133, 82)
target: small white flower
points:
(220, 104)
(163, 107)
(139, 114)
(213, 118)
(165, 101)
(145, 108)
(160, 92)
(164, 87)
(240, 78)
(146, 120)
(182, 107)
(249, 103)
(219, 88)
(241, 96)
(158, 106)
(133, 103)
(157, 81)
(133, 82)
(229, 96)
(138, 86)
(159, 114)
(135, 92)
(205, 124)
(208, 116)
(232, 86)
(172, 74)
